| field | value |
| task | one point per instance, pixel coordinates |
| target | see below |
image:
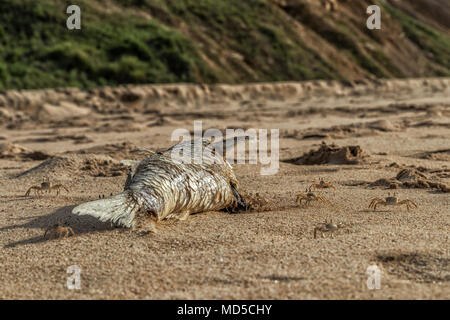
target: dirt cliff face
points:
(413, 39)
(230, 41)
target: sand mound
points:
(51, 168)
(360, 129)
(410, 175)
(332, 154)
(386, 183)
(131, 96)
(77, 139)
(63, 111)
(11, 150)
(430, 123)
(67, 167)
(124, 126)
(410, 178)
(124, 150)
(12, 117)
(54, 105)
(382, 125)
(16, 152)
(439, 155)
(159, 121)
(105, 167)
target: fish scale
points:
(165, 187)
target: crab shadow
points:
(79, 224)
(436, 192)
(373, 211)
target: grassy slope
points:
(190, 41)
(38, 51)
(436, 44)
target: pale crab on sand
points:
(310, 196)
(322, 185)
(391, 201)
(46, 186)
(329, 227)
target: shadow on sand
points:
(79, 224)
(372, 211)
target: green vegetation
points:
(38, 51)
(165, 41)
(435, 43)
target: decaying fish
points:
(171, 184)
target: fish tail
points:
(119, 209)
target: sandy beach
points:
(80, 138)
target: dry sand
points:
(79, 138)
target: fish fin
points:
(239, 203)
(119, 209)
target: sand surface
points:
(79, 139)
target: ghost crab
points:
(329, 227)
(258, 203)
(322, 185)
(59, 230)
(391, 201)
(47, 186)
(310, 196)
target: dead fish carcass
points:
(171, 184)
